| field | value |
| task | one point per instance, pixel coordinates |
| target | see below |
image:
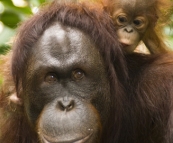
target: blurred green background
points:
(12, 12)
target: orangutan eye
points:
(77, 74)
(51, 78)
(137, 22)
(140, 22)
(122, 19)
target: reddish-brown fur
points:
(151, 99)
(142, 115)
(90, 19)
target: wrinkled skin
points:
(62, 92)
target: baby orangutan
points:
(137, 20)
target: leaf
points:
(10, 19)
(21, 10)
(4, 49)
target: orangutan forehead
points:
(134, 5)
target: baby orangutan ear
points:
(15, 99)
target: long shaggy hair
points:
(93, 21)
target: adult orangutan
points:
(61, 65)
(74, 85)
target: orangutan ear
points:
(15, 99)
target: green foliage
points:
(169, 32)
(7, 20)
(10, 16)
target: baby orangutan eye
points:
(51, 78)
(77, 74)
(137, 22)
(140, 22)
(121, 19)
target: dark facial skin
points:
(131, 22)
(66, 87)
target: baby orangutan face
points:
(130, 30)
(131, 23)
